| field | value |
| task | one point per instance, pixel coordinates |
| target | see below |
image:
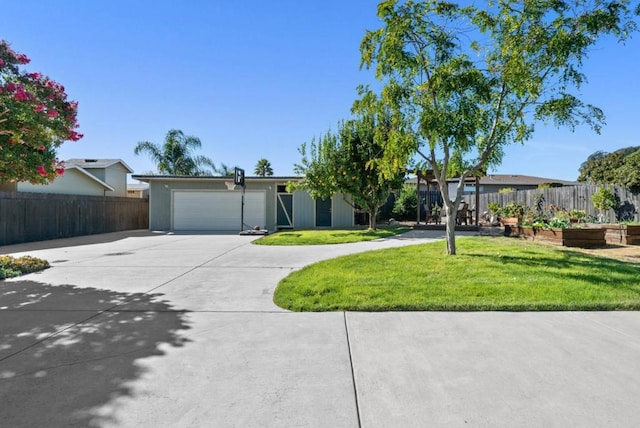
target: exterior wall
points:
(71, 183)
(98, 173)
(304, 211)
(116, 177)
(160, 203)
(342, 212)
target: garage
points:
(217, 210)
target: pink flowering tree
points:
(35, 119)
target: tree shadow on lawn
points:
(577, 266)
(62, 359)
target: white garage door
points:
(217, 210)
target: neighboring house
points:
(137, 190)
(213, 204)
(495, 182)
(97, 177)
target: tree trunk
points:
(373, 219)
(451, 228)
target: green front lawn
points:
(488, 274)
(323, 237)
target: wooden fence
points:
(26, 217)
(569, 197)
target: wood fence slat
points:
(569, 198)
(26, 217)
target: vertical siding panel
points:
(343, 215)
(303, 211)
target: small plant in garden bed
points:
(512, 209)
(11, 266)
(579, 215)
(604, 199)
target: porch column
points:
(477, 199)
(418, 191)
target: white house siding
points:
(72, 182)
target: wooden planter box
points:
(622, 234)
(586, 237)
(510, 225)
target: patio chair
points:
(463, 215)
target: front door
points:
(323, 212)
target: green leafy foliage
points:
(35, 119)
(263, 168)
(175, 156)
(11, 266)
(604, 199)
(470, 80)
(348, 161)
(512, 209)
(621, 167)
(406, 203)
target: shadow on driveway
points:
(67, 355)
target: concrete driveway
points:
(156, 330)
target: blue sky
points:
(255, 79)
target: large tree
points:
(620, 167)
(225, 170)
(473, 79)
(346, 161)
(263, 168)
(175, 156)
(35, 119)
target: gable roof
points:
(91, 177)
(97, 163)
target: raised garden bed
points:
(622, 234)
(510, 225)
(587, 237)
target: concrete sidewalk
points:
(155, 330)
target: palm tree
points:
(263, 168)
(225, 170)
(175, 156)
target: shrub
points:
(506, 190)
(604, 199)
(494, 207)
(11, 266)
(406, 203)
(512, 209)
